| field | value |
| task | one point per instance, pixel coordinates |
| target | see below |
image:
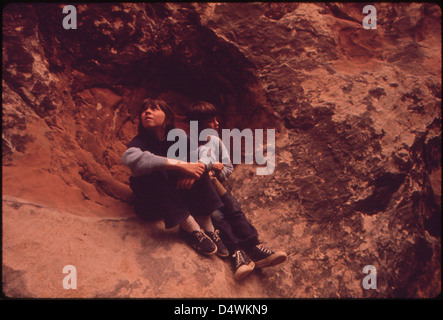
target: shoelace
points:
(263, 249)
(200, 236)
(239, 258)
(216, 236)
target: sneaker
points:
(221, 248)
(243, 264)
(200, 241)
(263, 257)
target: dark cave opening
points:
(180, 60)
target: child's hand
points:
(218, 166)
(185, 183)
(194, 170)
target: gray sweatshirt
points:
(140, 160)
(215, 151)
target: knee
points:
(217, 216)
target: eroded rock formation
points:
(358, 119)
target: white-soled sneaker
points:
(263, 257)
(200, 241)
(243, 264)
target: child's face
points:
(153, 117)
(211, 123)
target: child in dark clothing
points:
(237, 233)
(158, 182)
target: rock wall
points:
(358, 119)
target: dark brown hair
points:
(169, 114)
(201, 111)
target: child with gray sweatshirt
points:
(237, 233)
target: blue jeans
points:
(236, 231)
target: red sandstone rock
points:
(358, 120)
